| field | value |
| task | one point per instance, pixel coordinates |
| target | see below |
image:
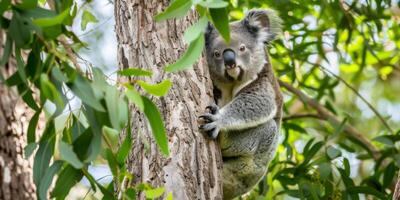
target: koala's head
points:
(245, 55)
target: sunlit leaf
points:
(177, 9)
(135, 72)
(47, 22)
(160, 89)
(154, 193)
(87, 17)
(134, 97)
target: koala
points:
(246, 117)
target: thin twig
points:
(298, 116)
(323, 112)
(71, 54)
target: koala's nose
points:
(229, 58)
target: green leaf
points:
(295, 127)
(29, 100)
(324, 170)
(159, 89)
(4, 5)
(169, 196)
(6, 51)
(154, 193)
(87, 17)
(112, 162)
(111, 98)
(333, 153)
(68, 177)
(135, 72)
(50, 91)
(111, 135)
(366, 190)
(134, 97)
(28, 150)
(130, 194)
(20, 30)
(190, 57)
(220, 20)
(384, 140)
(82, 88)
(125, 148)
(44, 153)
(157, 125)
(313, 150)
(48, 179)
(389, 175)
(213, 3)
(177, 9)
(26, 4)
(196, 30)
(68, 154)
(95, 142)
(32, 127)
(47, 22)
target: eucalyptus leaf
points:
(156, 124)
(135, 72)
(160, 89)
(189, 57)
(220, 20)
(68, 154)
(177, 9)
(87, 17)
(47, 22)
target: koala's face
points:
(244, 56)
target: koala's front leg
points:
(248, 109)
(210, 125)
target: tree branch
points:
(323, 112)
(375, 111)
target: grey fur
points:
(247, 123)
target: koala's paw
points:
(210, 125)
(213, 108)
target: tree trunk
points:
(15, 172)
(192, 169)
(396, 195)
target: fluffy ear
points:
(264, 24)
(207, 34)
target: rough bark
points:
(15, 172)
(396, 195)
(192, 169)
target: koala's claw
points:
(208, 117)
(213, 108)
(211, 129)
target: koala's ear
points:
(263, 24)
(207, 34)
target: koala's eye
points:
(242, 47)
(217, 54)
